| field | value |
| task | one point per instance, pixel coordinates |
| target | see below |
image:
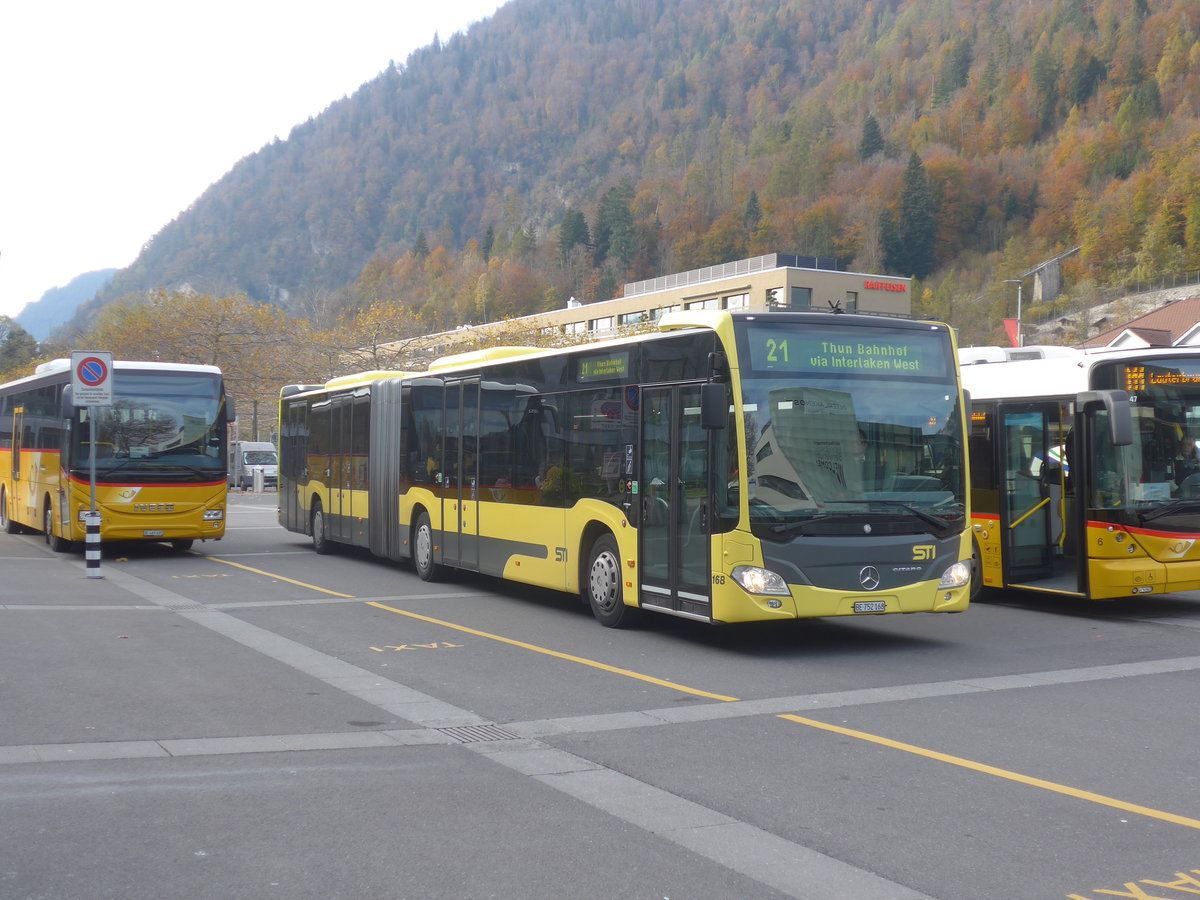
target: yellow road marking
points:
(1001, 773)
(311, 587)
(628, 673)
(837, 729)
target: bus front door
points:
(673, 543)
(460, 502)
(1031, 518)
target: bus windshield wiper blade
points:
(798, 524)
(1170, 508)
(927, 518)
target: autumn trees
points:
(574, 147)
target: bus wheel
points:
(320, 538)
(10, 527)
(602, 585)
(422, 544)
(53, 541)
(182, 544)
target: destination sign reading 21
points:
(830, 351)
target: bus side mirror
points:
(713, 408)
(67, 408)
(1120, 413)
(230, 413)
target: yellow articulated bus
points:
(1084, 475)
(159, 455)
(726, 468)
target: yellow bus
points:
(159, 455)
(1084, 475)
(726, 468)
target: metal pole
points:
(1020, 336)
(92, 519)
(92, 456)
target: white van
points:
(247, 457)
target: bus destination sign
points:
(847, 352)
(604, 367)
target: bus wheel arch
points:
(423, 547)
(976, 570)
(10, 527)
(316, 526)
(602, 582)
(53, 541)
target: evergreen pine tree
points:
(573, 232)
(918, 220)
(752, 215)
(872, 138)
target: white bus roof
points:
(1045, 371)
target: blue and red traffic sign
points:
(92, 371)
(91, 378)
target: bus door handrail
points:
(1031, 511)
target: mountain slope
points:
(735, 127)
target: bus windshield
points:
(1161, 466)
(851, 427)
(162, 426)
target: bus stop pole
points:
(92, 519)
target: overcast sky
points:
(117, 115)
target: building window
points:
(801, 298)
(601, 325)
(710, 303)
(632, 318)
(851, 301)
(737, 301)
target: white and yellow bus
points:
(159, 454)
(1084, 475)
(726, 468)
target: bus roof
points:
(55, 367)
(990, 373)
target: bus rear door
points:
(460, 502)
(673, 543)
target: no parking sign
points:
(91, 378)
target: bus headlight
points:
(214, 515)
(956, 576)
(760, 581)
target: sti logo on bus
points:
(924, 551)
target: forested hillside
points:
(564, 147)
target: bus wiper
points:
(1172, 507)
(800, 524)
(927, 518)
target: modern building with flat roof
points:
(774, 282)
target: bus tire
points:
(181, 544)
(53, 541)
(10, 527)
(602, 585)
(422, 550)
(322, 545)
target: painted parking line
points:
(1000, 773)
(983, 768)
(583, 661)
(303, 584)
(1042, 783)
